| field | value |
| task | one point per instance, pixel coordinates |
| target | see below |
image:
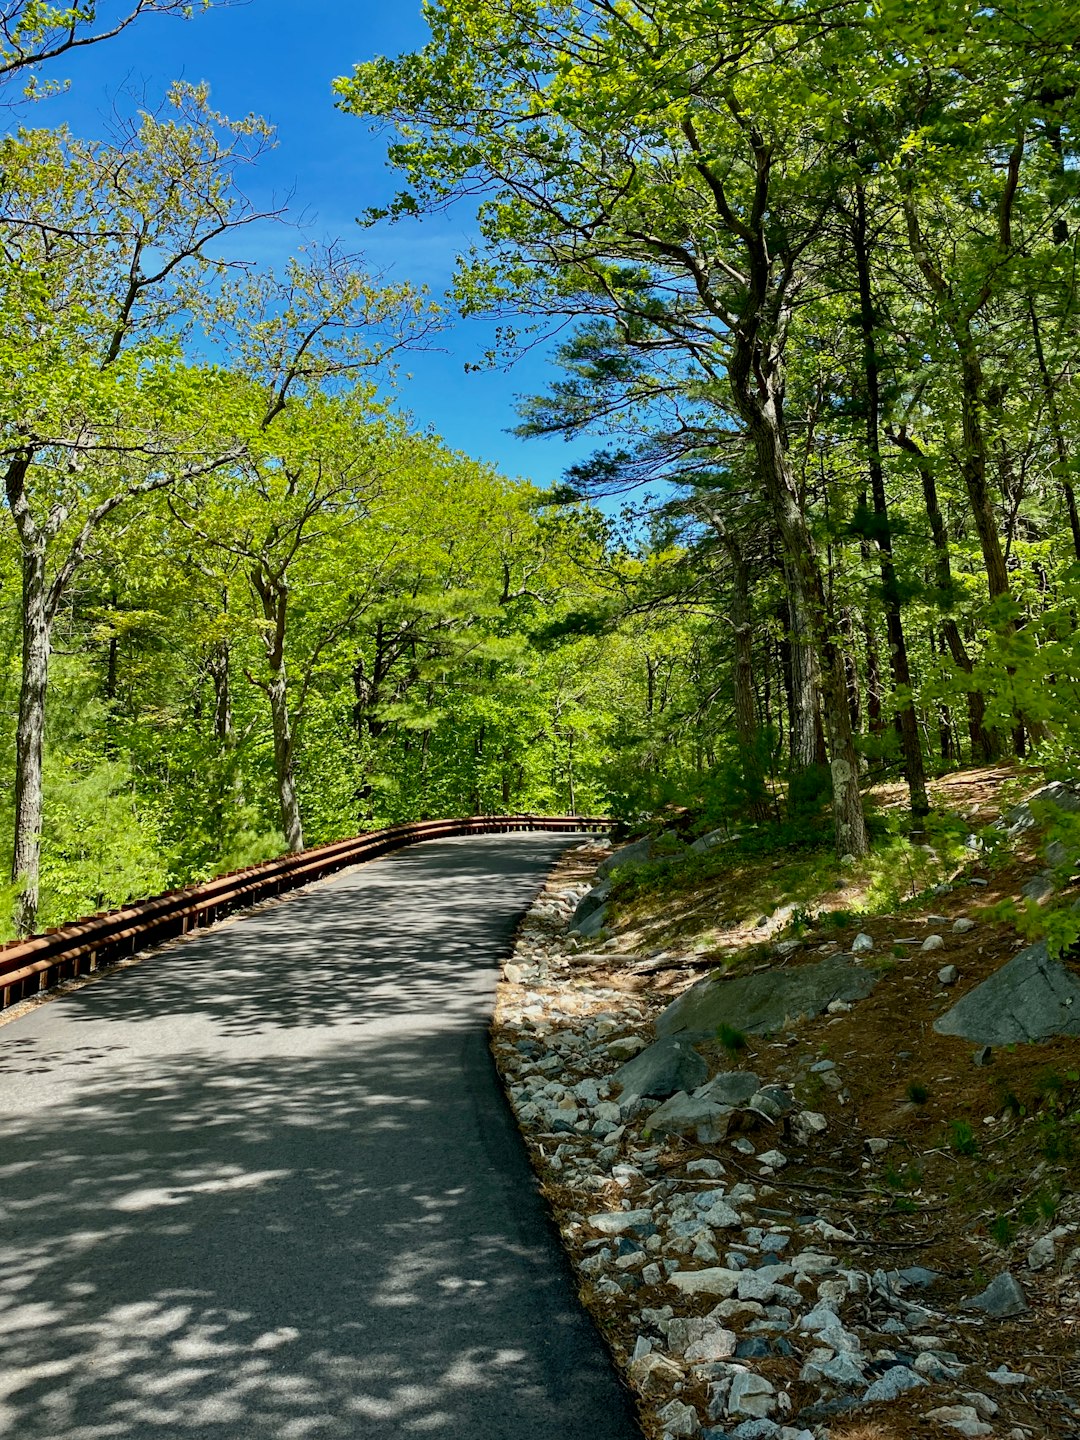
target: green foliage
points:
(731, 1039)
(962, 1139)
(917, 1093)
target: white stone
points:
(959, 1417)
(716, 1280)
(654, 1374)
(862, 944)
(774, 1159)
(1006, 1377)
(933, 942)
(716, 1345)
(679, 1420)
(813, 1262)
(806, 1124)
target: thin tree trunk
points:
(274, 596)
(218, 664)
(278, 695)
(984, 744)
(30, 739)
(1061, 449)
(910, 743)
(746, 718)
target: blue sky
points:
(278, 59)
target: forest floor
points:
(970, 1163)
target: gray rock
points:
(806, 1124)
(717, 1280)
(1040, 887)
(751, 1395)
(932, 942)
(761, 1003)
(592, 924)
(774, 1159)
(733, 1087)
(716, 1344)
(711, 1169)
(843, 1370)
(641, 852)
(621, 1222)
(948, 975)
(1061, 796)
(1009, 1379)
(862, 944)
(1041, 1253)
(654, 1374)
(1001, 1299)
(662, 1069)
(963, 926)
(757, 1430)
(589, 903)
(685, 1115)
(893, 1384)
(1032, 998)
(773, 1101)
(963, 1418)
(761, 1284)
(679, 1420)
(625, 1048)
(709, 841)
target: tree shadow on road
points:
(241, 1205)
(256, 1250)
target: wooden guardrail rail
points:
(42, 961)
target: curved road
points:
(266, 1185)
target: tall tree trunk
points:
(910, 743)
(278, 694)
(1061, 449)
(974, 469)
(804, 691)
(984, 745)
(851, 669)
(874, 708)
(218, 664)
(759, 398)
(30, 738)
(273, 594)
(746, 719)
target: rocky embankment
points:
(750, 1279)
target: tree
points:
(668, 164)
(33, 33)
(106, 259)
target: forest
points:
(813, 274)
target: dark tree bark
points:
(910, 743)
(984, 745)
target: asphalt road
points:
(265, 1184)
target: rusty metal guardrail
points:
(30, 966)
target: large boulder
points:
(592, 901)
(666, 846)
(1031, 998)
(1058, 795)
(758, 1004)
(661, 1070)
